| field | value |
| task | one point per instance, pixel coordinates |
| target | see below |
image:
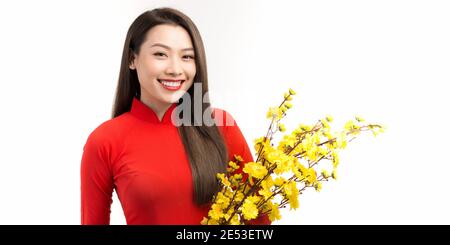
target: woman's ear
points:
(132, 67)
(131, 61)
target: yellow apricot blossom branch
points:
(260, 187)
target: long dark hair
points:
(204, 145)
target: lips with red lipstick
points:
(171, 84)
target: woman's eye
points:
(159, 54)
(188, 57)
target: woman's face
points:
(165, 65)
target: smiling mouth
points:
(171, 84)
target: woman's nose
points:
(174, 68)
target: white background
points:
(387, 61)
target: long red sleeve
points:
(96, 182)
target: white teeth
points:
(170, 84)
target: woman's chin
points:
(175, 96)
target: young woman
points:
(163, 172)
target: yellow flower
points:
(255, 169)
(311, 177)
(322, 151)
(236, 179)
(291, 192)
(318, 186)
(293, 203)
(334, 174)
(288, 189)
(228, 192)
(254, 198)
(341, 141)
(233, 165)
(222, 200)
(297, 173)
(239, 197)
(215, 212)
(377, 129)
(249, 210)
(238, 158)
(292, 92)
(325, 123)
(272, 155)
(329, 118)
(359, 119)
(274, 214)
(223, 179)
(300, 171)
(213, 222)
(325, 173)
(315, 138)
(288, 105)
(335, 158)
(279, 181)
(259, 142)
(312, 153)
(375, 133)
(266, 186)
(283, 161)
(281, 127)
(266, 193)
(204, 221)
(287, 97)
(234, 220)
(350, 126)
(327, 134)
(288, 140)
(274, 113)
(267, 183)
(305, 127)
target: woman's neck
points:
(159, 108)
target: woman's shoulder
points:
(110, 130)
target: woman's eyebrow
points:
(167, 47)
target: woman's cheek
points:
(190, 72)
(156, 67)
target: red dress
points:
(143, 159)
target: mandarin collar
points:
(143, 112)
